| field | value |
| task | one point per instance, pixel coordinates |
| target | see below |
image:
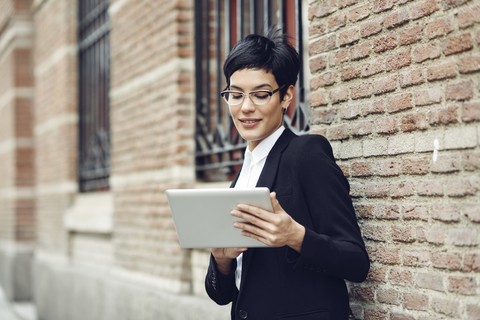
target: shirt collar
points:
(262, 150)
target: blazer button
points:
(243, 314)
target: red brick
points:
(427, 51)
(412, 77)
(442, 71)
(418, 166)
(416, 301)
(371, 27)
(323, 116)
(469, 64)
(447, 260)
(377, 273)
(351, 72)
(387, 255)
(390, 296)
(387, 168)
(337, 21)
(364, 211)
(464, 236)
(361, 128)
(430, 188)
(382, 5)
(316, 29)
(413, 121)
(322, 45)
(477, 37)
(349, 112)
(359, 13)
(375, 107)
(363, 293)
(401, 316)
(462, 285)
(428, 96)
(457, 44)
(349, 36)
(403, 234)
(443, 115)
(318, 99)
(376, 190)
(361, 90)
(321, 9)
(356, 189)
(362, 169)
(373, 67)
(416, 257)
(375, 233)
(387, 212)
(318, 63)
(471, 161)
(384, 85)
(473, 311)
(447, 307)
(431, 281)
(399, 102)
(471, 262)
(398, 60)
(339, 132)
(339, 57)
(468, 16)
(422, 9)
(376, 314)
(346, 3)
(440, 27)
(462, 187)
(385, 43)
(411, 35)
(323, 80)
(446, 163)
(360, 51)
(447, 212)
(448, 4)
(386, 125)
(400, 277)
(459, 91)
(397, 18)
(339, 94)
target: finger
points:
(275, 203)
(251, 218)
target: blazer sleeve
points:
(220, 287)
(333, 243)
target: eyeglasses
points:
(258, 97)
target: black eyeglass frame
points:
(269, 92)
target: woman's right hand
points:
(224, 256)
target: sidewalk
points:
(16, 311)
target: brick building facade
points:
(395, 87)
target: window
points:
(218, 26)
(94, 74)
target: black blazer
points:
(280, 283)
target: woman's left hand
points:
(275, 229)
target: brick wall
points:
(16, 144)
(152, 103)
(56, 118)
(395, 88)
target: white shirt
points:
(251, 170)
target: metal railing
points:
(94, 84)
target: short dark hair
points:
(271, 53)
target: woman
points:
(313, 238)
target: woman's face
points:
(256, 122)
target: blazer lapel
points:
(266, 179)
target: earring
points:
(285, 110)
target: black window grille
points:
(218, 26)
(94, 78)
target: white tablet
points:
(202, 216)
